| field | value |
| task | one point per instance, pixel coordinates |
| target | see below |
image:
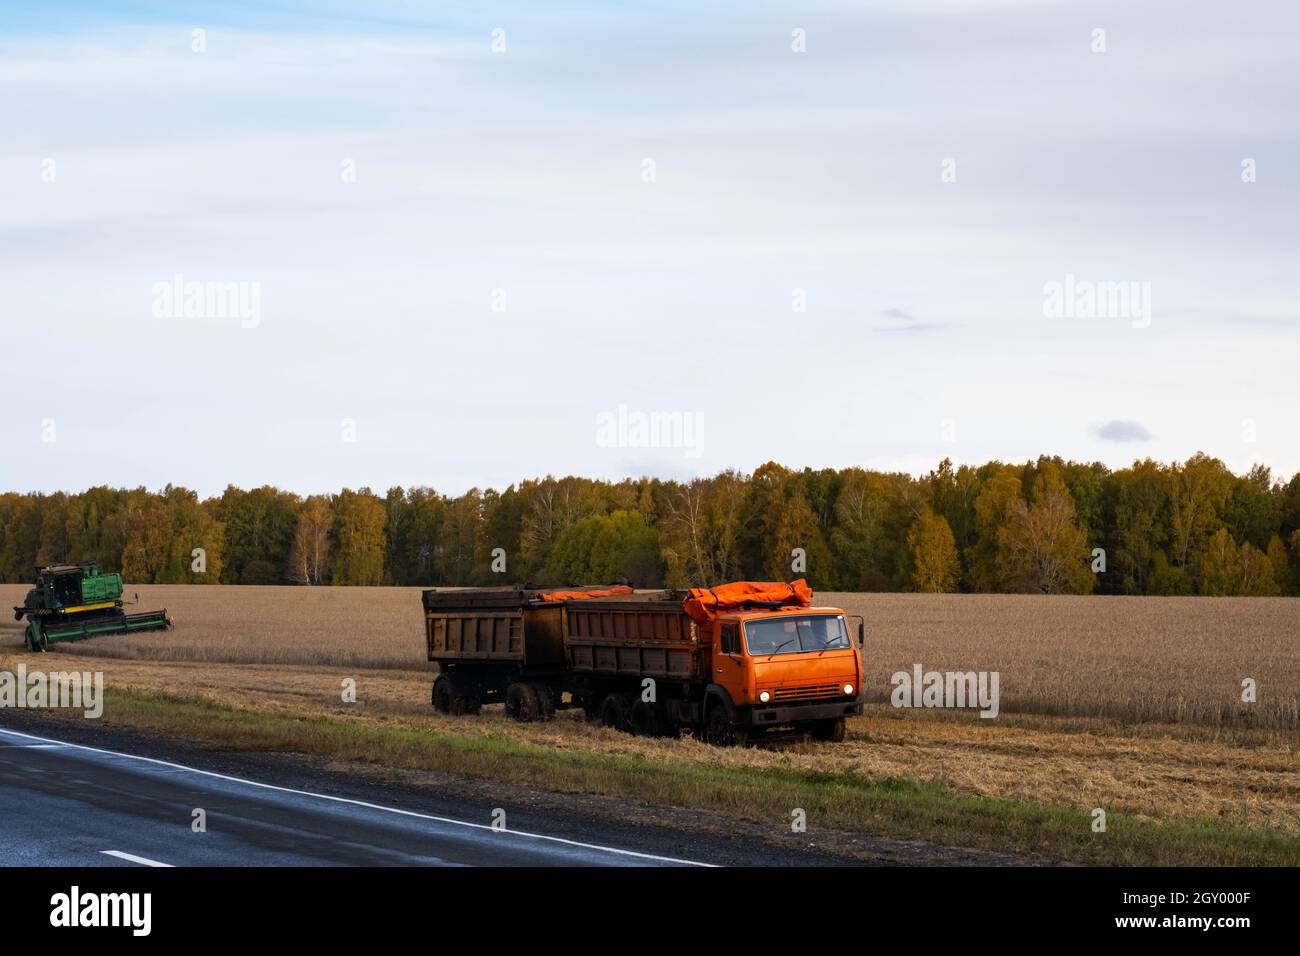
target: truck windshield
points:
(794, 635)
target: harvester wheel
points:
(615, 712)
(830, 731)
(36, 639)
(442, 694)
(522, 703)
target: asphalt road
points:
(66, 804)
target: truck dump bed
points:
(520, 624)
(645, 634)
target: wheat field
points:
(1138, 660)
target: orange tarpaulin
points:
(705, 603)
(581, 595)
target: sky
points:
(473, 244)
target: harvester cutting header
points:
(72, 601)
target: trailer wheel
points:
(720, 731)
(464, 696)
(830, 731)
(547, 698)
(522, 703)
(467, 700)
(614, 712)
(442, 694)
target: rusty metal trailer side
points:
(503, 625)
(634, 638)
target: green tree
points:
(869, 516)
(601, 549)
(359, 543)
(1140, 527)
(260, 526)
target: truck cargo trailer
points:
(725, 663)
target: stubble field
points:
(1129, 704)
(1169, 660)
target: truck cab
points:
(791, 666)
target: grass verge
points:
(846, 801)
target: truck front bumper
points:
(794, 713)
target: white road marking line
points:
(132, 858)
(358, 803)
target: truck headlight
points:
(764, 697)
(848, 690)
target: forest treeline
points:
(1047, 526)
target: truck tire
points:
(720, 731)
(547, 698)
(615, 712)
(466, 699)
(522, 703)
(647, 720)
(830, 731)
(441, 695)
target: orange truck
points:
(728, 663)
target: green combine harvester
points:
(73, 601)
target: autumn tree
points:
(700, 530)
(935, 567)
(1041, 549)
(1198, 493)
(309, 552)
(995, 504)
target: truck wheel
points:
(442, 694)
(466, 699)
(614, 712)
(522, 703)
(830, 731)
(468, 702)
(646, 720)
(547, 698)
(721, 732)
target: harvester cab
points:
(74, 601)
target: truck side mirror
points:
(862, 633)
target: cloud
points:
(904, 321)
(1122, 431)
